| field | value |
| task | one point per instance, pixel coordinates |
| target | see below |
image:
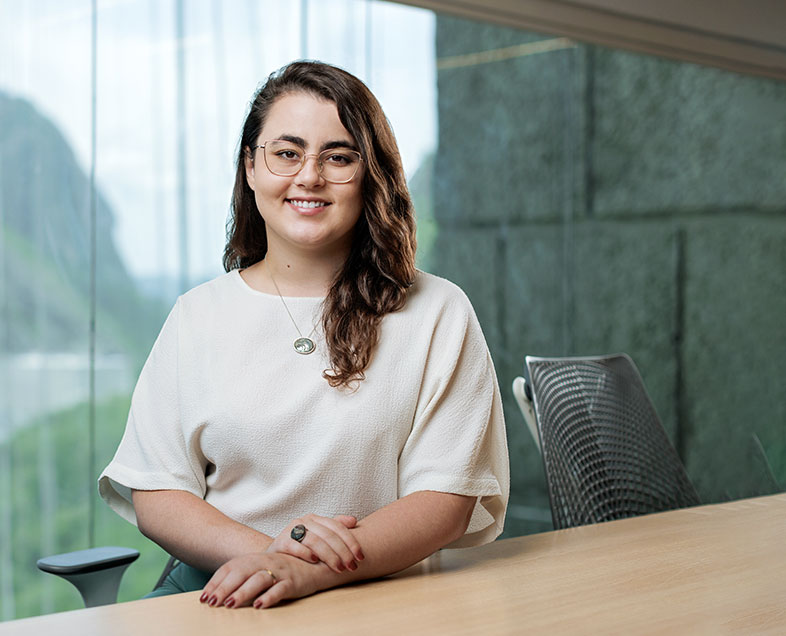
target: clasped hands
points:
(287, 568)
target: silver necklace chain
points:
(304, 344)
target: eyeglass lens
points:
(285, 159)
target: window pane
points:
(44, 296)
(173, 80)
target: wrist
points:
(322, 576)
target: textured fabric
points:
(227, 410)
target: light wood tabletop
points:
(717, 569)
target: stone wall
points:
(593, 201)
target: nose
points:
(309, 174)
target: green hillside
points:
(45, 248)
(48, 498)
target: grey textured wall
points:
(592, 201)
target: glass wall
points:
(118, 126)
(592, 201)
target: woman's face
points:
(304, 211)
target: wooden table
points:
(713, 569)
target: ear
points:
(248, 160)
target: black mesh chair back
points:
(605, 452)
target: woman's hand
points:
(327, 539)
(261, 579)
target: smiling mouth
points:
(307, 205)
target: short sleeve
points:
(458, 443)
(155, 453)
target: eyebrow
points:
(299, 141)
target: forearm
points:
(403, 533)
(192, 530)
(392, 538)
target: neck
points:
(297, 275)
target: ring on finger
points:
(298, 532)
(272, 576)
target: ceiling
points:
(747, 36)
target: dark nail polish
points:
(353, 566)
(314, 558)
(257, 604)
(230, 602)
(203, 598)
(341, 567)
(361, 556)
(213, 600)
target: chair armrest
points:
(520, 390)
(86, 561)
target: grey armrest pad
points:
(85, 561)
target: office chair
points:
(605, 452)
(97, 572)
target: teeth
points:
(308, 204)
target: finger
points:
(255, 585)
(295, 549)
(323, 549)
(337, 536)
(214, 582)
(229, 584)
(274, 595)
(346, 523)
(340, 539)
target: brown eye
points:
(339, 159)
(288, 155)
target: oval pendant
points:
(304, 346)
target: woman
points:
(274, 469)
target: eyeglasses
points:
(285, 159)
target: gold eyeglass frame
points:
(320, 163)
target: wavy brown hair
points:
(380, 267)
